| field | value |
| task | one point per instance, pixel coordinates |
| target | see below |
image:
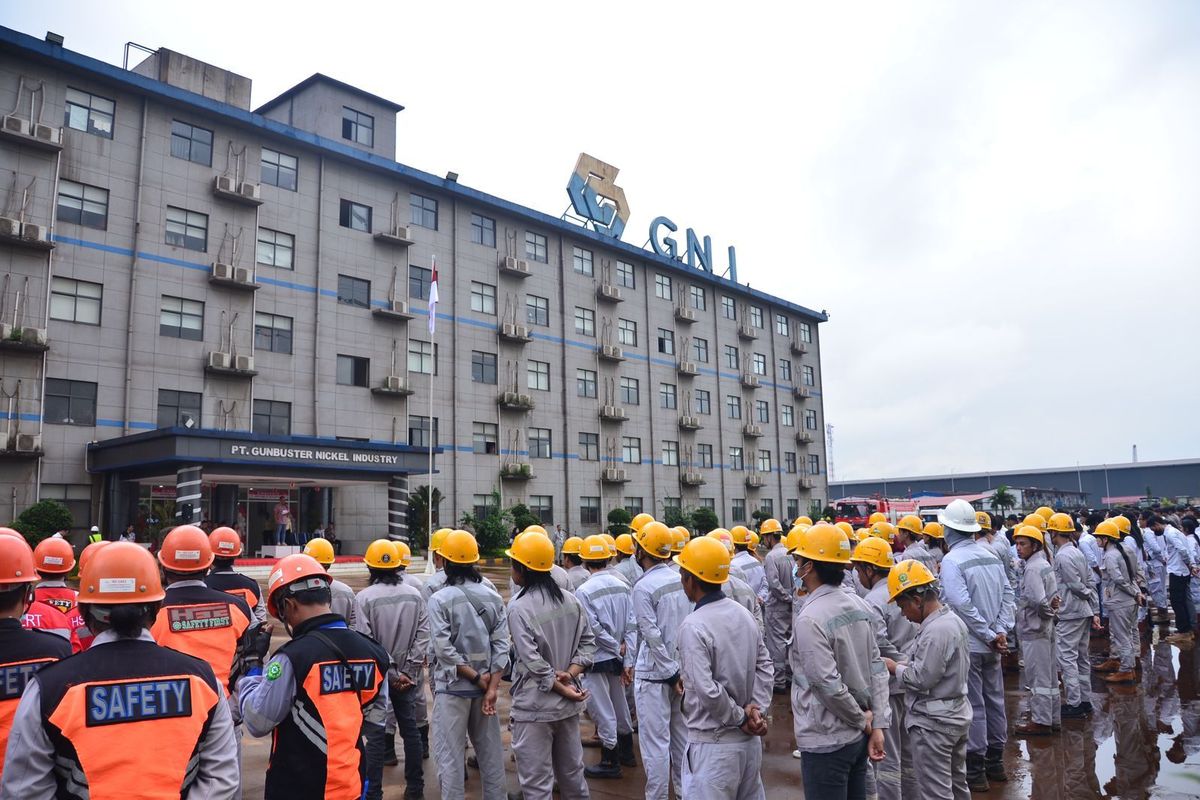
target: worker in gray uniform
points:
(1079, 611)
(911, 544)
(1037, 608)
(343, 596)
(895, 775)
(740, 592)
(933, 676)
(468, 632)
(1122, 598)
(748, 567)
(777, 612)
(726, 673)
(552, 646)
(626, 565)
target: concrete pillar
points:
(187, 495)
(398, 508)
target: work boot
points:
(1086, 705)
(1032, 728)
(608, 766)
(1108, 665)
(977, 780)
(1121, 677)
(389, 750)
(1073, 712)
(1180, 638)
(994, 765)
(625, 750)
(424, 729)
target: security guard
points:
(726, 672)
(226, 546)
(470, 649)
(1080, 609)
(626, 566)
(659, 607)
(552, 646)
(573, 563)
(910, 545)
(777, 613)
(97, 724)
(322, 694)
(745, 561)
(392, 611)
(22, 652)
(341, 594)
(608, 604)
(1037, 607)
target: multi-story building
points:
(208, 309)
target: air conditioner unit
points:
(222, 272)
(804, 438)
(750, 429)
(401, 232)
(35, 336)
(606, 291)
(684, 314)
(754, 480)
(10, 227)
(513, 264)
(750, 381)
(244, 363)
(5, 435)
(525, 400)
(35, 233)
(395, 383)
(689, 422)
(28, 442)
(250, 191)
(799, 348)
(747, 332)
(808, 483)
(693, 478)
(47, 133)
(802, 392)
(688, 368)
(612, 412)
(224, 183)
(241, 274)
(399, 307)
(614, 475)
(6, 331)
(612, 351)
(15, 124)
(219, 360)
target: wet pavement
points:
(1143, 741)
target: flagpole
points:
(432, 377)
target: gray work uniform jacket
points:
(659, 606)
(468, 626)
(975, 586)
(547, 638)
(608, 603)
(1074, 577)
(342, 601)
(1119, 589)
(1035, 616)
(577, 576)
(934, 678)
(752, 571)
(395, 617)
(777, 567)
(895, 633)
(740, 592)
(919, 551)
(724, 666)
(837, 669)
(629, 570)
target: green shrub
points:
(43, 519)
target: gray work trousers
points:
(1074, 637)
(458, 718)
(943, 754)
(662, 736)
(547, 752)
(723, 771)
(894, 776)
(985, 690)
(777, 632)
(607, 707)
(1123, 635)
(1041, 678)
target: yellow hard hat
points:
(594, 548)
(572, 546)
(459, 547)
(934, 529)
(1061, 523)
(861, 533)
(405, 553)
(1030, 532)
(984, 519)
(1036, 520)
(656, 539)
(823, 542)
(321, 550)
(722, 536)
(844, 527)
(908, 574)
(874, 551)
(436, 539)
(537, 528)
(624, 544)
(884, 530)
(716, 530)
(754, 540)
(802, 520)
(706, 558)
(1108, 528)
(1045, 512)
(382, 554)
(533, 550)
(638, 521)
(740, 534)
(878, 516)
(792, 540)
(770, 526)
(1122, 523)
(910, 523)
(682, 535)
(611, 542)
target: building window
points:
(625, 276)
(353, 370)
(187, 229)
(76, 301)
(70, 402)
(662, 287)
(419, 281)
(537, 310)
(810, 419)
(699, 298)
(276, 249)
(764, 460)
(358, 127)
(805, 332)
(671, 502)
(181, 319)
(793, 508)
(735, 459)
(483, 438)
(630, 391)
(631, 449)
(542, 507)
(82, 204)
(89, 113)
(667, 396)
(705, 453)
(700, 350)
(787, 416)
(279, 169)
(354, 291)
(703, 401)
(627, 332)
(535, 247)
(767, 506)
(423, 211)
(422, 357)
(76, 497)
(785, 370)
(666, 341)
(759, 364)
(272, 418)
(589, 510)
(738, 509)
(537, 375)
(789, 464)
(178, 408)
(709, 503)
(728, 307)
(762, 411)
(731, 357)
(581, 259)
(756, 316)
(483, 298)
(418, 432)
(733, 405)
(483, 230)
(585, 321)
(191, 143)
(670, 454)
(634, 505)
(354, 216)
(781, 325)
(483, 504)
(585, 382)
(814, 464)
(272, 332)
(807, 376)
(589, 447)
(483, 367)
(539, 443)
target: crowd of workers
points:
(890, 641)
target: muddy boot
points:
(625, 750)
(1121, 677)
(389, 750)
(977, 780)
(994, 765)
(1032, 728)
(424, 729)
(1108, 665)
(608, 766)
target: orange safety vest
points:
(204, 623)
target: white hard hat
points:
(95, 529)
(960, 516)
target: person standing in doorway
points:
(283, 516)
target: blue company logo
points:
(596, 197)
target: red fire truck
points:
(857, 510)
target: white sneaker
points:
(795, 754)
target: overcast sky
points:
(998, 203)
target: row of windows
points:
(542, 507)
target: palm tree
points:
(418, 514)
(1002, 499)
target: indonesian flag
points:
(433, 298)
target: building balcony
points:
(19, 130)
(16, 446)
(27, 235)
(23, 340)
(399, 236)
(393, 386)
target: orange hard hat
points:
(16, 561)
(225, 543)
(293, 569)
(186, 549)
(54, 556)
(11, 532)
(121, 573)
(86, 554)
